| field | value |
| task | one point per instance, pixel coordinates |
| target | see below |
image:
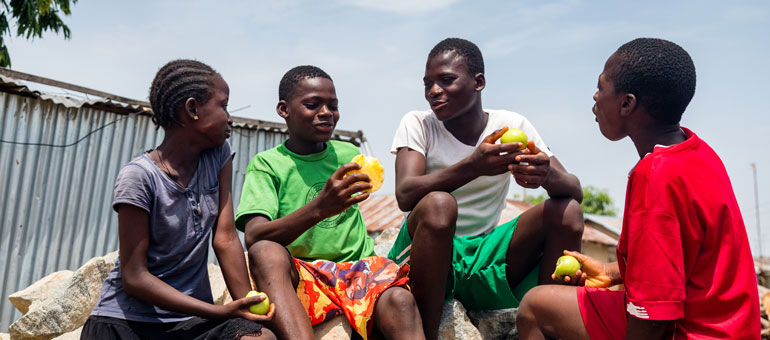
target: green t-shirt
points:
(278, 182)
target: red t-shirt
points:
(683, 252)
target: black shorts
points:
(107, 328)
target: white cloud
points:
(402, 6)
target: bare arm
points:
(134, 236)
(225, 242)
(412, 184)
(334, 198)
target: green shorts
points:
(477, 278)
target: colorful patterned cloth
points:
(327, 289)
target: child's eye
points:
(334, 107)
(311, 106)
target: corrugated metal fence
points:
(58, 162)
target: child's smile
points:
(311, 112)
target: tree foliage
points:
(33, 17)
(595, 201)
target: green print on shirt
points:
(329, 222)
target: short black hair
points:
(465, 49)
(659, 73)
(174, 83)
(293, 76)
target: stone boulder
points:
(27, 298)
(218, 286)
(455, 323)
(66, 308)
(495, 324)
(337, 328)
(384, 241)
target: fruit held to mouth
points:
(260, 308)
(372, 167)
(566, 265)
(515, 136)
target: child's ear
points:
(628, 105)
(481, 81)
(282, 109)
(191, 108)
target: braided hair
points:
(660, 73)
(174, 83)
(465, 49)
(293, 76)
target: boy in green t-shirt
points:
(297, 195)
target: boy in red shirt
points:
(683, 254)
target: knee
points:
(265, 254)
(437, 212)
(266, 334)
(527, 313)
(567, 215)
(399, 301)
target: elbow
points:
(404, 201)
(251, 236)
(225, 241)
(578, 196)
(249, 239)
(131, 284)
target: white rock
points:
(66, 309)
(40, 290)
(384, 241)
(5, 336)
(218, 286)
(110, 258)
(337, 328)
(455, 324)
(495, 324)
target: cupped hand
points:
(533, 173)
(240, 308)
(592, 274)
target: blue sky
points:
(542, 60)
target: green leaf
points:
(33, 18)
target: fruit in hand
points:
(566, 265)
(515, 136)
(372, 167)
(260, 308)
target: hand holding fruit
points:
(262, 307)
(515, 136)
(491, 159)
(566, 266)
(340, 191)
(592, 274)
(531, 168)
(255, 306)
(371, 167)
